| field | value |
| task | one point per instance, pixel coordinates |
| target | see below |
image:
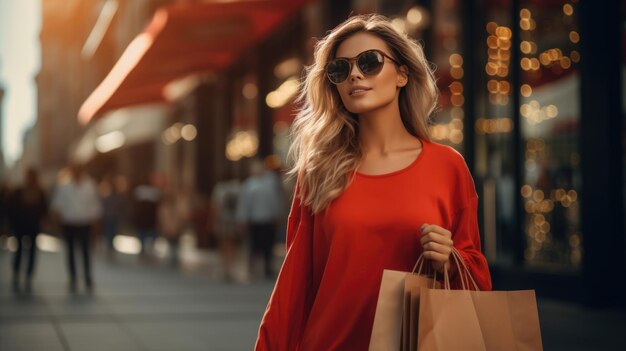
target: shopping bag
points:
(477, 320)
(388, 319)
(387, 327)
(410, 315)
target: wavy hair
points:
(325, 149)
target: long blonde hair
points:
(325, 148)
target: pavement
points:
(138, 305)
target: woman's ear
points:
(403, 76)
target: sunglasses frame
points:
(355, 59)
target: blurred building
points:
(531, 95)
(80, 41)
(2, 165)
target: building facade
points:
(531, 95)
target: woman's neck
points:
(382, 131)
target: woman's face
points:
(361, 93)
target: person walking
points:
(27, 207)
(259, 210)
(77, 209)
(146, 198)
(223, 223)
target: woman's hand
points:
(437, 244)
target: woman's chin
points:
(359, 108)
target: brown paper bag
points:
(477, 320)
(388, 318)
(412, 284)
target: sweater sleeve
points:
(288, 309)
(466, 237)
(466, 234)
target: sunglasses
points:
(369, 62)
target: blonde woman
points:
(373, 190)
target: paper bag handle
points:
(463, 271)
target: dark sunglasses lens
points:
(370, 62)
(338, 70)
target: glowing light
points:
(242, 144)
(524, 13)
(456, 60)
(172, 134)
(503, 33)
(250, 91)
(494, 125)
(189, 132)
(110, 141)
(568, 9)
(11, 244)
(456, 88)
(49, 243)
(415, 16)
(492, 42)
(127, 244)
(457, 72)
(524, 24)
(456, 137)
(526, 191)
(288, 68)
(457, 100)
(283, 94)
(537, 114)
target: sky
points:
(20, 23)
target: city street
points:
(133, 307)
(138, 306)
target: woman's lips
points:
(359, 91)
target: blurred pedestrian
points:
(146, 199)
(27, 206)
(174, 211)
(224, 223)
(198, 219)
(4, 198)
(78, 210)
(259, 210)
(113, 210)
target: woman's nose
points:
(355, 72)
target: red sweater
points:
(325, 295)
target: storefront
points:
(530, 95)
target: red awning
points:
(184, 39)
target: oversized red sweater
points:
(325, 295)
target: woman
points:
(373, 190)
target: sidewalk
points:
(155, 307)
(134, 306)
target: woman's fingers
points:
(437, 238)
(436, 256)
(437, 244)
(437, 229)
(438, 248)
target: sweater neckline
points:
(401, 170)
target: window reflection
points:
(549, 112)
